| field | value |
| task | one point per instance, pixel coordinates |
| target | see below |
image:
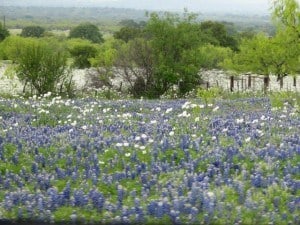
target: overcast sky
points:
(195, 5)
(234, 6)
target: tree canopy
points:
(33, 31)
(87, 31)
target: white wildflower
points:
(137, 138)
(169, 110)
(210, 194)
(186, 105)
(225, 130)
(216, 109)
(184, 114)
(248, 139)
(153, 122)
(238, 121)
(119, 144)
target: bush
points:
(81, 54)
(3, 32)
(43, 67)
(209, 95)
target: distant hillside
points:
(66, 17)
(232, 6)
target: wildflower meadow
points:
(90, 161)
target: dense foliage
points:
(41, 66)
(82, 51)
(3, 32)
(33, 31)
(87, 31)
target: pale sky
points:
(234, 6)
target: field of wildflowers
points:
(149, 162)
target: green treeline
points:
(151, 57)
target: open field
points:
(164, 162)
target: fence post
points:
(231, 83)
(249, 81)
(266, 83)
(281, 82)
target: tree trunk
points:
(294, 81)
(281, 82)
(231, 83)
(266, 83)
(207, 85)
(249, 81)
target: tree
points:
(33, 31)
(174, 42)
(104, 64)
(132, 24)
(212, 56)
(217, 34)
(266, 55)
(87, 31)
(43, 68)
(3, 32)
(253, 57)
(136, 64)
(286, 14)
(130, 29)
(127, 33)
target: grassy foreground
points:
(149, 162)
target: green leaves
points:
(3, 32)
(87, 31)
(33, 31)
(40, 66)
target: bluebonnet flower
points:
(97, 198)
(152, 208)
(34, 168)
(80, 199)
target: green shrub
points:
(81, 54)
(209, 95)
(43, 67)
